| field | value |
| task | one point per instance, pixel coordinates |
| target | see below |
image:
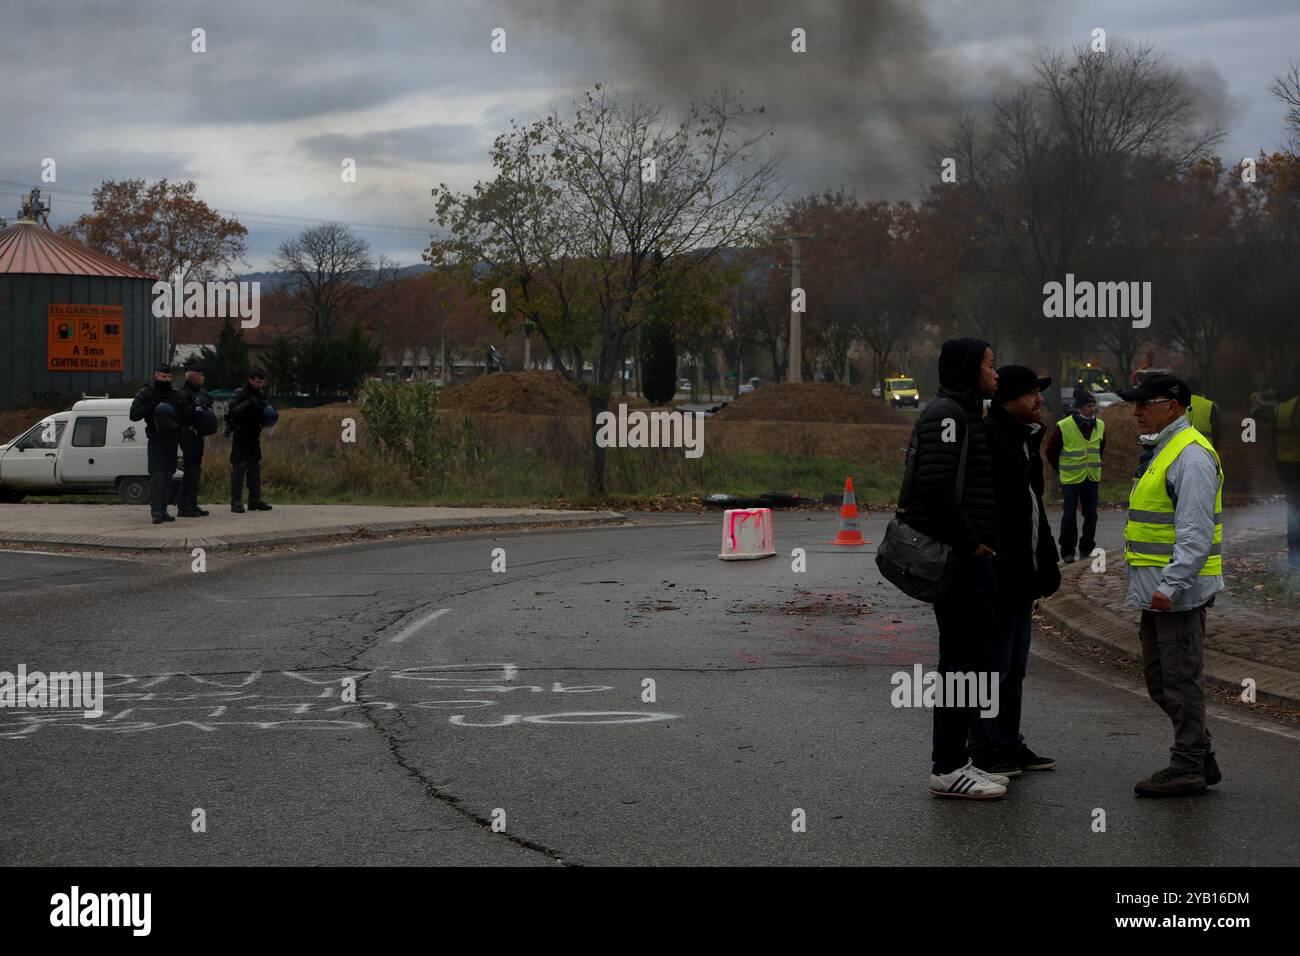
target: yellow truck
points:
(900, 392)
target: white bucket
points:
(747, 533)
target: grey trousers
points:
(1173, 663)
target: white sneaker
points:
(967, 782)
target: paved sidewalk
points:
(1243, 639)
(122, 526)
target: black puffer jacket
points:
(1018, 467)
(933, 507)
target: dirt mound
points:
(321, 425)
(526, 393)
(810, 402)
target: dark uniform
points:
(163, 445)
(245, 421)
(196, 400)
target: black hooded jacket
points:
(933, 507)
(1017, 468)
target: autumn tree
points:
(158, 228)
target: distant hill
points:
(274, 280)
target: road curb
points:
(1074, 613)
(120, 542)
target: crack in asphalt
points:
(433, 791)
(397, 717)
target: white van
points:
(91, 448)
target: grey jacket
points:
(1192, 481)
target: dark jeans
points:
(192, 449)
(966, 619)
(1173, 663)
(245, 462)
(162, 465)
(1006, 655)
(1081, 495)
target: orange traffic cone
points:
(849, 533)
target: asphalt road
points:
(518, 696)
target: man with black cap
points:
(245, 418)
(1173, 553)
(159, 408)
(1075, 450)
(196, 402)
(1025, 566)
(952, 501)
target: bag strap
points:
(905, 494)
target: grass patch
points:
(1250, 580)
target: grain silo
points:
(72, 320)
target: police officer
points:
(158, 406)
(197, 404)
(245, 419)
(1075, 451)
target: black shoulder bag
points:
(915, 563)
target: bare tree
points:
(1058, 159)
(1287, 89)
(334, 276)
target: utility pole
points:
(794, 372)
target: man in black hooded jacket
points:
(964, 517)
(1025, 566)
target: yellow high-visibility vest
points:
(1080, 457)
(1149, 534)
(1198, 413)
(1288, 431)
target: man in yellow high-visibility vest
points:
(1074, 449)
(1172, 552)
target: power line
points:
(257, 218)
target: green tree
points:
(281, 364)
(227, 363)
(328, 367)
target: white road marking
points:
(416, 625)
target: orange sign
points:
(85, 338)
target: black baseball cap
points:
(1159, 386)
(1082, 397)
(195, 367)
(1016, 380)
(163, 367)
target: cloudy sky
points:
(413, 92)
